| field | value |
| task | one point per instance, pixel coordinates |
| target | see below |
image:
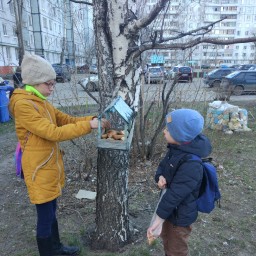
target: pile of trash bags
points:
(226, 117)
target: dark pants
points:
(46, 216)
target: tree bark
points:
(112, 219)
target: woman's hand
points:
(161, 182)
(95, 123)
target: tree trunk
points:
(112, 219)
(118, 75)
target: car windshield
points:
(213, 71)
(185, 69)
(57, 68)
(231, 75)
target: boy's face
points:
(169, 138)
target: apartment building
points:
(186, 15)
(53, 29)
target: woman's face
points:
(46, 88)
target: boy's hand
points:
(155, 229)
(161, 182)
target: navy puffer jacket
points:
(178, 204)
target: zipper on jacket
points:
(40, 166)
(59, 169)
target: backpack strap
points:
(187, 158)
(194, 158)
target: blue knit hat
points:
(184, 124)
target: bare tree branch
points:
(192, 43)
(199, 40)
(85, 89)
(195, 32)
(145, 21)
(81, 2)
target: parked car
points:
(62, 73)
(90, 83)
(182, 73)
(205, 66)
(82, 69)
(93, 69)
(239, 82)
(154, 74)
(213, 78)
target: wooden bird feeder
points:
(121, 117)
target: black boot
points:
(57, 247)
(44, 246)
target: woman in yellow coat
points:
(40, 127)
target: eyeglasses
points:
(50, 84)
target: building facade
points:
(186, 15)
(52, 29)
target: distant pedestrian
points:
(39, 128)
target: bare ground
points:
(229, 230)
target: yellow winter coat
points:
(40, 127)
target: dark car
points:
(182, 73)
(205, 66)
(213, 78)
(63, 74)
(239, 82)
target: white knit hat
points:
(36, 70)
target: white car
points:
(90, 83)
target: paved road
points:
(71, 93)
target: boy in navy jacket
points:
(177, 208)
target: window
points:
(31, 40)
(8, 53)
(16, 53)
(238, 33)
(1, 5)
(14, 31)
(11, 8)
(4, 29)
(250, 76)
(50, 24)
(46, 40)
(30, 20)
(45, 22)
